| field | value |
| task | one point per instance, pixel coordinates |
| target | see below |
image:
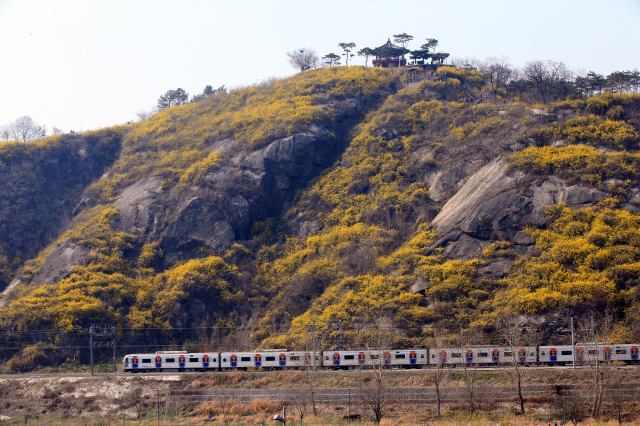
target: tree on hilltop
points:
(403, 39)
(303, 59)
(173, 98)
(208, 91)
(347, 47)
(24, 129)
(367, 52)
(331, 59)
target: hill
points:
(337, 195)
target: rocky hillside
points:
(339, 194)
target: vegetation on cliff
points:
(358, 239)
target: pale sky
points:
(93, 63)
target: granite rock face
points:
(494, 205)
(61, 261)
(219, 210)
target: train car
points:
(626, 353)
(409, 358)
(171, 361)
(481, 356)
(448, 357)
(277, 359)
(556, 355)
(301, 359)
(396, 358)
(239, 360)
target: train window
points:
(621, 351)
(326, 358)
(433, 356)
(126, 362)
(456, 355)
(400, 356)
(294, 358)
(566, 353)
(483, 354)
(215, 360)
(169, 360)
(245, 358)
(421, 355)
(507, 353)
(193, 359)
(592, 351)
(145, 360)
(532, 354)
(349, 357)
(543, 353)
(374, 356)
(224, 360)
(269, 358)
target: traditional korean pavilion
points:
(389, 55)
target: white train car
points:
(481, 356)
(301, 359)
(556, 355)
(449, 357)
(401, 358)
(409, 358)
(172, 361)
(626, 353)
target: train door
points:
(443, 357)
(579, 354)
(361, 358)
(469, 356)
(336, 358)
(134, 363)
(496, 355)
(307, 358)
(181, 361)
(387, 358)
(205, 361)
(522, 355)
(553, 354)
(607, 353)
(634, 353)
(234, 360)
(412, 357)
(283, 360)
(158, 361)
(258, 360)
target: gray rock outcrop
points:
(494, 205)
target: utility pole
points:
(91, 347)
(573, 345)
(314, 345)
(113, 339)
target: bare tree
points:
(499, 72)
(303, 59)
(436, 378)
(509, 327)
(600, 331)
(24, 129)
(374, 393)
(144, 115)
(551, 78)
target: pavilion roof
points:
(390, 49)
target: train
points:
(283, 359)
